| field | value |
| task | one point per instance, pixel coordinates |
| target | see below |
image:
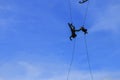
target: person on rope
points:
(83, 1)
(73, 30)
(84, 30)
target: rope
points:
(84, 20)
(71, 62)
(69, 1)
(88, 58)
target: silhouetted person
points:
(83, 1)
(72, 28)
(84, 30)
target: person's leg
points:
(69, 24)
(70, 37)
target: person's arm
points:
(80, 2)
(83, 1)
(78, 30)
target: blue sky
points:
(35, 45)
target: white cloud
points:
(34, 72)
(108, 20)
(81, 75)
(31, 70)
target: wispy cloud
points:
(108, 20)
(33, 72)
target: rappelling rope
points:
(71, 62)
(87, 54)
(70, 9)
(86, 12)
(73, 52)
(88, 58)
